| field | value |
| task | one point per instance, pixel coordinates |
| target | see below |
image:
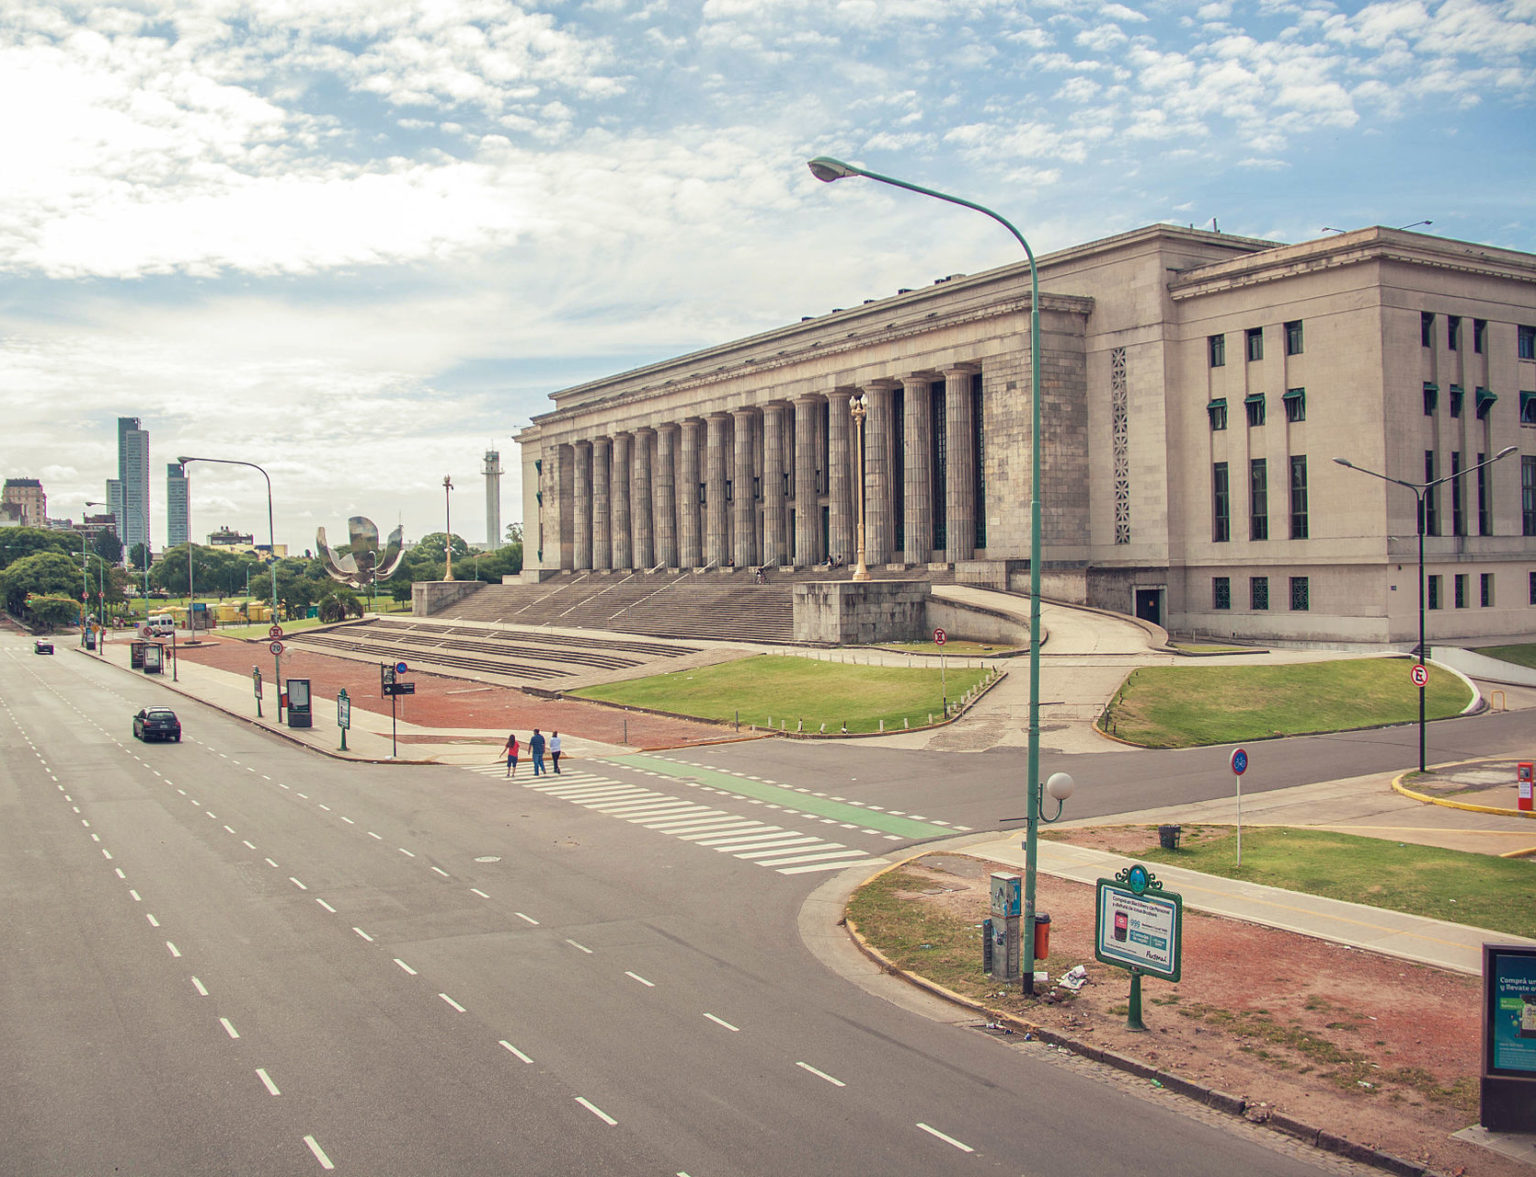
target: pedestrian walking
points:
(511, 753)
(554, 751)
(536, 746)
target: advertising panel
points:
(1139, 931)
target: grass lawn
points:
(1524, 655)
(1186, 706)
(1480, 890)
(782, 690)
(961, 649)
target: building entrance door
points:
(1149, 605)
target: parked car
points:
(42, 646)
(156, 723)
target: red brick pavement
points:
(441, 702)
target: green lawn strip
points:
(905, 827)
(1523, 655)
(1186, 706)
(1479, 890)
(766, 689)
(260, 629)
(954, 648)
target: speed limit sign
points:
(940, 637)
(1420, 674)
(276, 647)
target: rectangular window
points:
(979, 440)
(1300, 594)
(1527, 342)
(1432, 596)
(1426, 329)
(1527, 494)
(1485, 590)
(1452, 331)
(1255, 343)
(1461, 590)
(1431, 398)
(1528, 408)
(1221, 503)
(1258, 499)
(1255, 406)
(1455, 400)
(1479, 335)
(1458, 516)
(1431, 496)
(1218, 349)
(1295, 404)
(1533, 589)
(1484, 508)
(1217, 411)
(1258, 593)
(1293, 338)
(1221, 592)
(1299, 498)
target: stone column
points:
(582, 496)
(774, 544)
(841, 465)
(640, 498)
(715, 525)
(917, 537)
(690, 551)
(807, 510)
(879, 500)
(960, 467)
(664, 496)
(743, 501)
(602, 531)
(618, 492)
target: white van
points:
(161, 625)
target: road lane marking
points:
(326, 905)
(515, 1051)
(297, 884)
(363, 934)
(314, 1147)
(118, 871)
(174, 950)
(946, 1139)
(451, 1002)
(596, 1111)
(821, 1074)
(477, 891)
(153, 922)
(371, 834)
(247, 845)
(266, 1080)
(440, 871)
(135, 895)
(642, 980)
(107, 854)
(529, 918)
(229, 1027)
(405, 852)
(348, 820)
(229, 829)
(583, 947)
(723, 1022)
(272, 864)
(405, 966)
(327, 808)
(198, 985)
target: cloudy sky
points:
(360, 241)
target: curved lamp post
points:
(447, 528)
(1420, 489)
(85, 576)
(827, 169)
(857, 407)
(271, 531)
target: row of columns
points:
(659, 496)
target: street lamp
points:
(85, 576)
(448, 528)
(857, 407)
(827, 170)
(271, 530)
(1420, 489)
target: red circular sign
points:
(940, 637)
(1420, 674)
(275, 632)
(276, 647)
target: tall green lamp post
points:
(271, 530)
(827, 170)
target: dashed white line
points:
(638, 977)
(723, 1022)
(405, 966)
(135, 895)
(596, 1111)
(314, 1147)
(482, 894)
(441, 871)
(583, 947)
(153, 922)
(363, 934)
(327, 808)
(297, 884)
(198, 985)
(515, 1051)
(405, 852)
(348, 820)
(266, 1080)
(946, 1139)
(229, 1027)
(326, 905)
(529, 918)
(821, 1074)
(118, 871)
(272, 864)
(107, 854)
(229, 829)
(451, 1002)
(248, 845)
(371, 834)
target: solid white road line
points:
(515, 1051)
(596, 1111)
(266, 1080)
(946, 1139)
(723, 1022)
(821, 1074)
(314, 1147)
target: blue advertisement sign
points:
(1511, 988)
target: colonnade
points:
(772, 483)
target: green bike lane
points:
(901, 825)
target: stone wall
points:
(433, 596)
(846, 612)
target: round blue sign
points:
(1136, 879)
(400, 667)
(1239, 762)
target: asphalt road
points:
(232, 956)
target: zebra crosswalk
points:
(780, 848)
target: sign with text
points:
(1139, 928)
(1507, 1096)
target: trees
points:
(43, 573)
(340, 603)
(19, 542)
(138, 557)
(108, 546)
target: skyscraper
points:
(128, 493)
(493, 473)
(177, 519)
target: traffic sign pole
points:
(939, 638)
(1239, 764)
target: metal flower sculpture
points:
(361, 566)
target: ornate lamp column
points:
(857, 407)
(448, 528)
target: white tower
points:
(493, 473)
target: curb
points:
(1399, 787)
(1221, 1101)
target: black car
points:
(157, 723)
(42, 646)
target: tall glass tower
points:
(130, 496)
(177, 518)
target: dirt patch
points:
(1382, 1052)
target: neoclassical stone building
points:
(1196, 387)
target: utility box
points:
(1007, 905)
(1523, 782)
(154, 658)
(300, 713)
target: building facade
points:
(178, 518)
(30, 501)
(1196, 388)
(128, 493)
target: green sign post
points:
(343, 715)
(1139, 927)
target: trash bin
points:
(1042, 935)
(1168, 836)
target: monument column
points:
(917, 537)
(807, 511)
(715, 550)
(690, 552)
(602, 531)
(841, 465)
(959, 467)
(664, 496)
(640, 497)
(618, 494)
(879, 510)
(582, 498)
(773, 484)
(743, 500)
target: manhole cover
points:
(489, 858)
